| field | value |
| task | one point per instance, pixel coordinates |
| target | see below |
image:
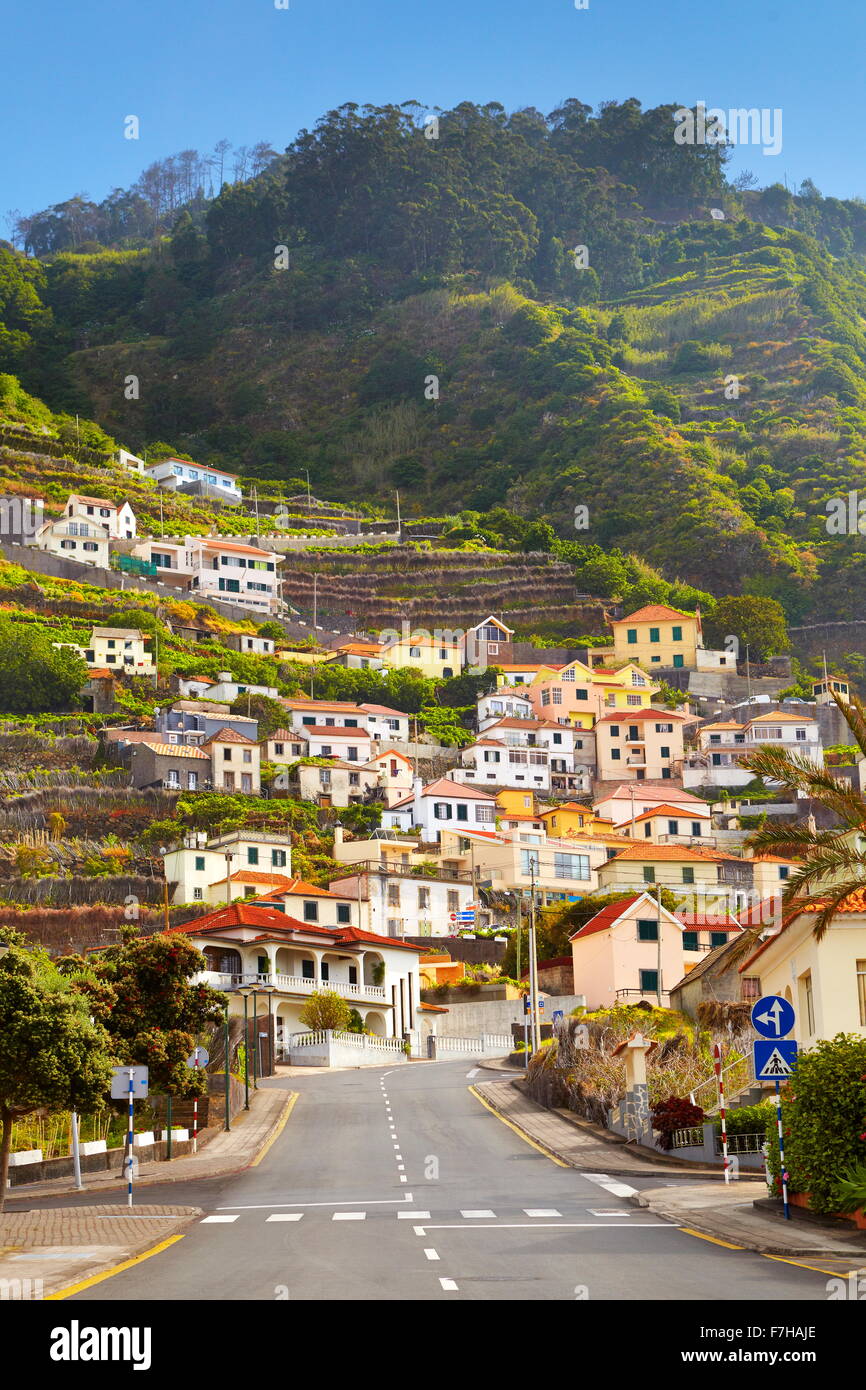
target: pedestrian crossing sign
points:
(774, 1061)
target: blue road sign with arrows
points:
(774, 1061)
(772, 1016)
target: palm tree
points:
(833, 861)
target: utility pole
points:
(748, 674)
(256, 504)
(309, 498)
(659, 942)
(315, 603)
(399, 523)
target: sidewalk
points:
(577, 1142)
(51, 1253)
(724, 1212)
(220, 1156)
(727, 1213)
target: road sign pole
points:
(782, 1153)
(717, 1068)
(129, 1140)
(76, 1154)
(195, 1110)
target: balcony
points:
(290, 984)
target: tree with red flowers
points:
(142, 991)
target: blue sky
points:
(194, 71)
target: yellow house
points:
(658, 636)
(434, 658)
(514, 801)
(683, 870)
(578, 694)
(569, 819)
(824, 980)
(122, 650)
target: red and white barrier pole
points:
(717, 1068)
(195, 1111)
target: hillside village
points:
(229, 787)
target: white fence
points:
(334, 1048)
(485, 1045)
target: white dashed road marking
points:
(285, 1216)
(448, 1285)
(478, 1215)
(431, 1254)
(349, 1216)
(540, 1211)
(214, 1220)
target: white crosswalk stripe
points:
(349, 1216)
(285, 1216)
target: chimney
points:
(417, 788)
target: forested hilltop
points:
(480, 309)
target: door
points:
(229, 781)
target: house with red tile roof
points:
(631, 950)
(260, 945)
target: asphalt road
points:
(399, 1185)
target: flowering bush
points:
(674, 1113)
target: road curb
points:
(720, 1232)
(137, 1255)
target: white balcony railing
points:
(291, 984)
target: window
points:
(423, 899)
(557, 695)
(664, 728)
(454, 904)
(654, 634)
(633, 700)
(582, 694)
(647, 931)
(637, 678)
(278, 749)
(248, 755)
(393, 895)
(678, 659)
(485, 815)
(632, 636)
(441, 810)
(634, 734)
(199, 863)
(664, 751)
(799, 734)
(615, 755)
(752, 988)
(784, 871)
(614, 731)
(462, 812)
(666, 773)
(571, 866)
(696, 827)
(252, 854)
(649, 981)
(278, 858)
(529, 862)
(227, 755)
(353, 974)
(414, 651)
(325, 751)
(673, 827)
(808, 999)
(308, 969)
(861, 991)
(197, 894)
(718, 938)
(690, 941)
(354, 779)
(649, 875)
(90, 545)
(677, 634)
(545, 697)
(311, 912)
(344, 913)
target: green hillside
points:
(699, 387)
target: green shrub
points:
(823, 1120)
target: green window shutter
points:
(654, 634)
(632, 635)
(647, 931)
(690, 941)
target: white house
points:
(385, 724)
(398, 902)
(330, 714)
(349, 745)
(244, 575)
(240, 864)
(121, 649)
(225, 689)
(491, 762)
(118, 518)
(443, 803)
(502, 704)
(131, 462)
(180, 475)
(250, 943)
(86, 542)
